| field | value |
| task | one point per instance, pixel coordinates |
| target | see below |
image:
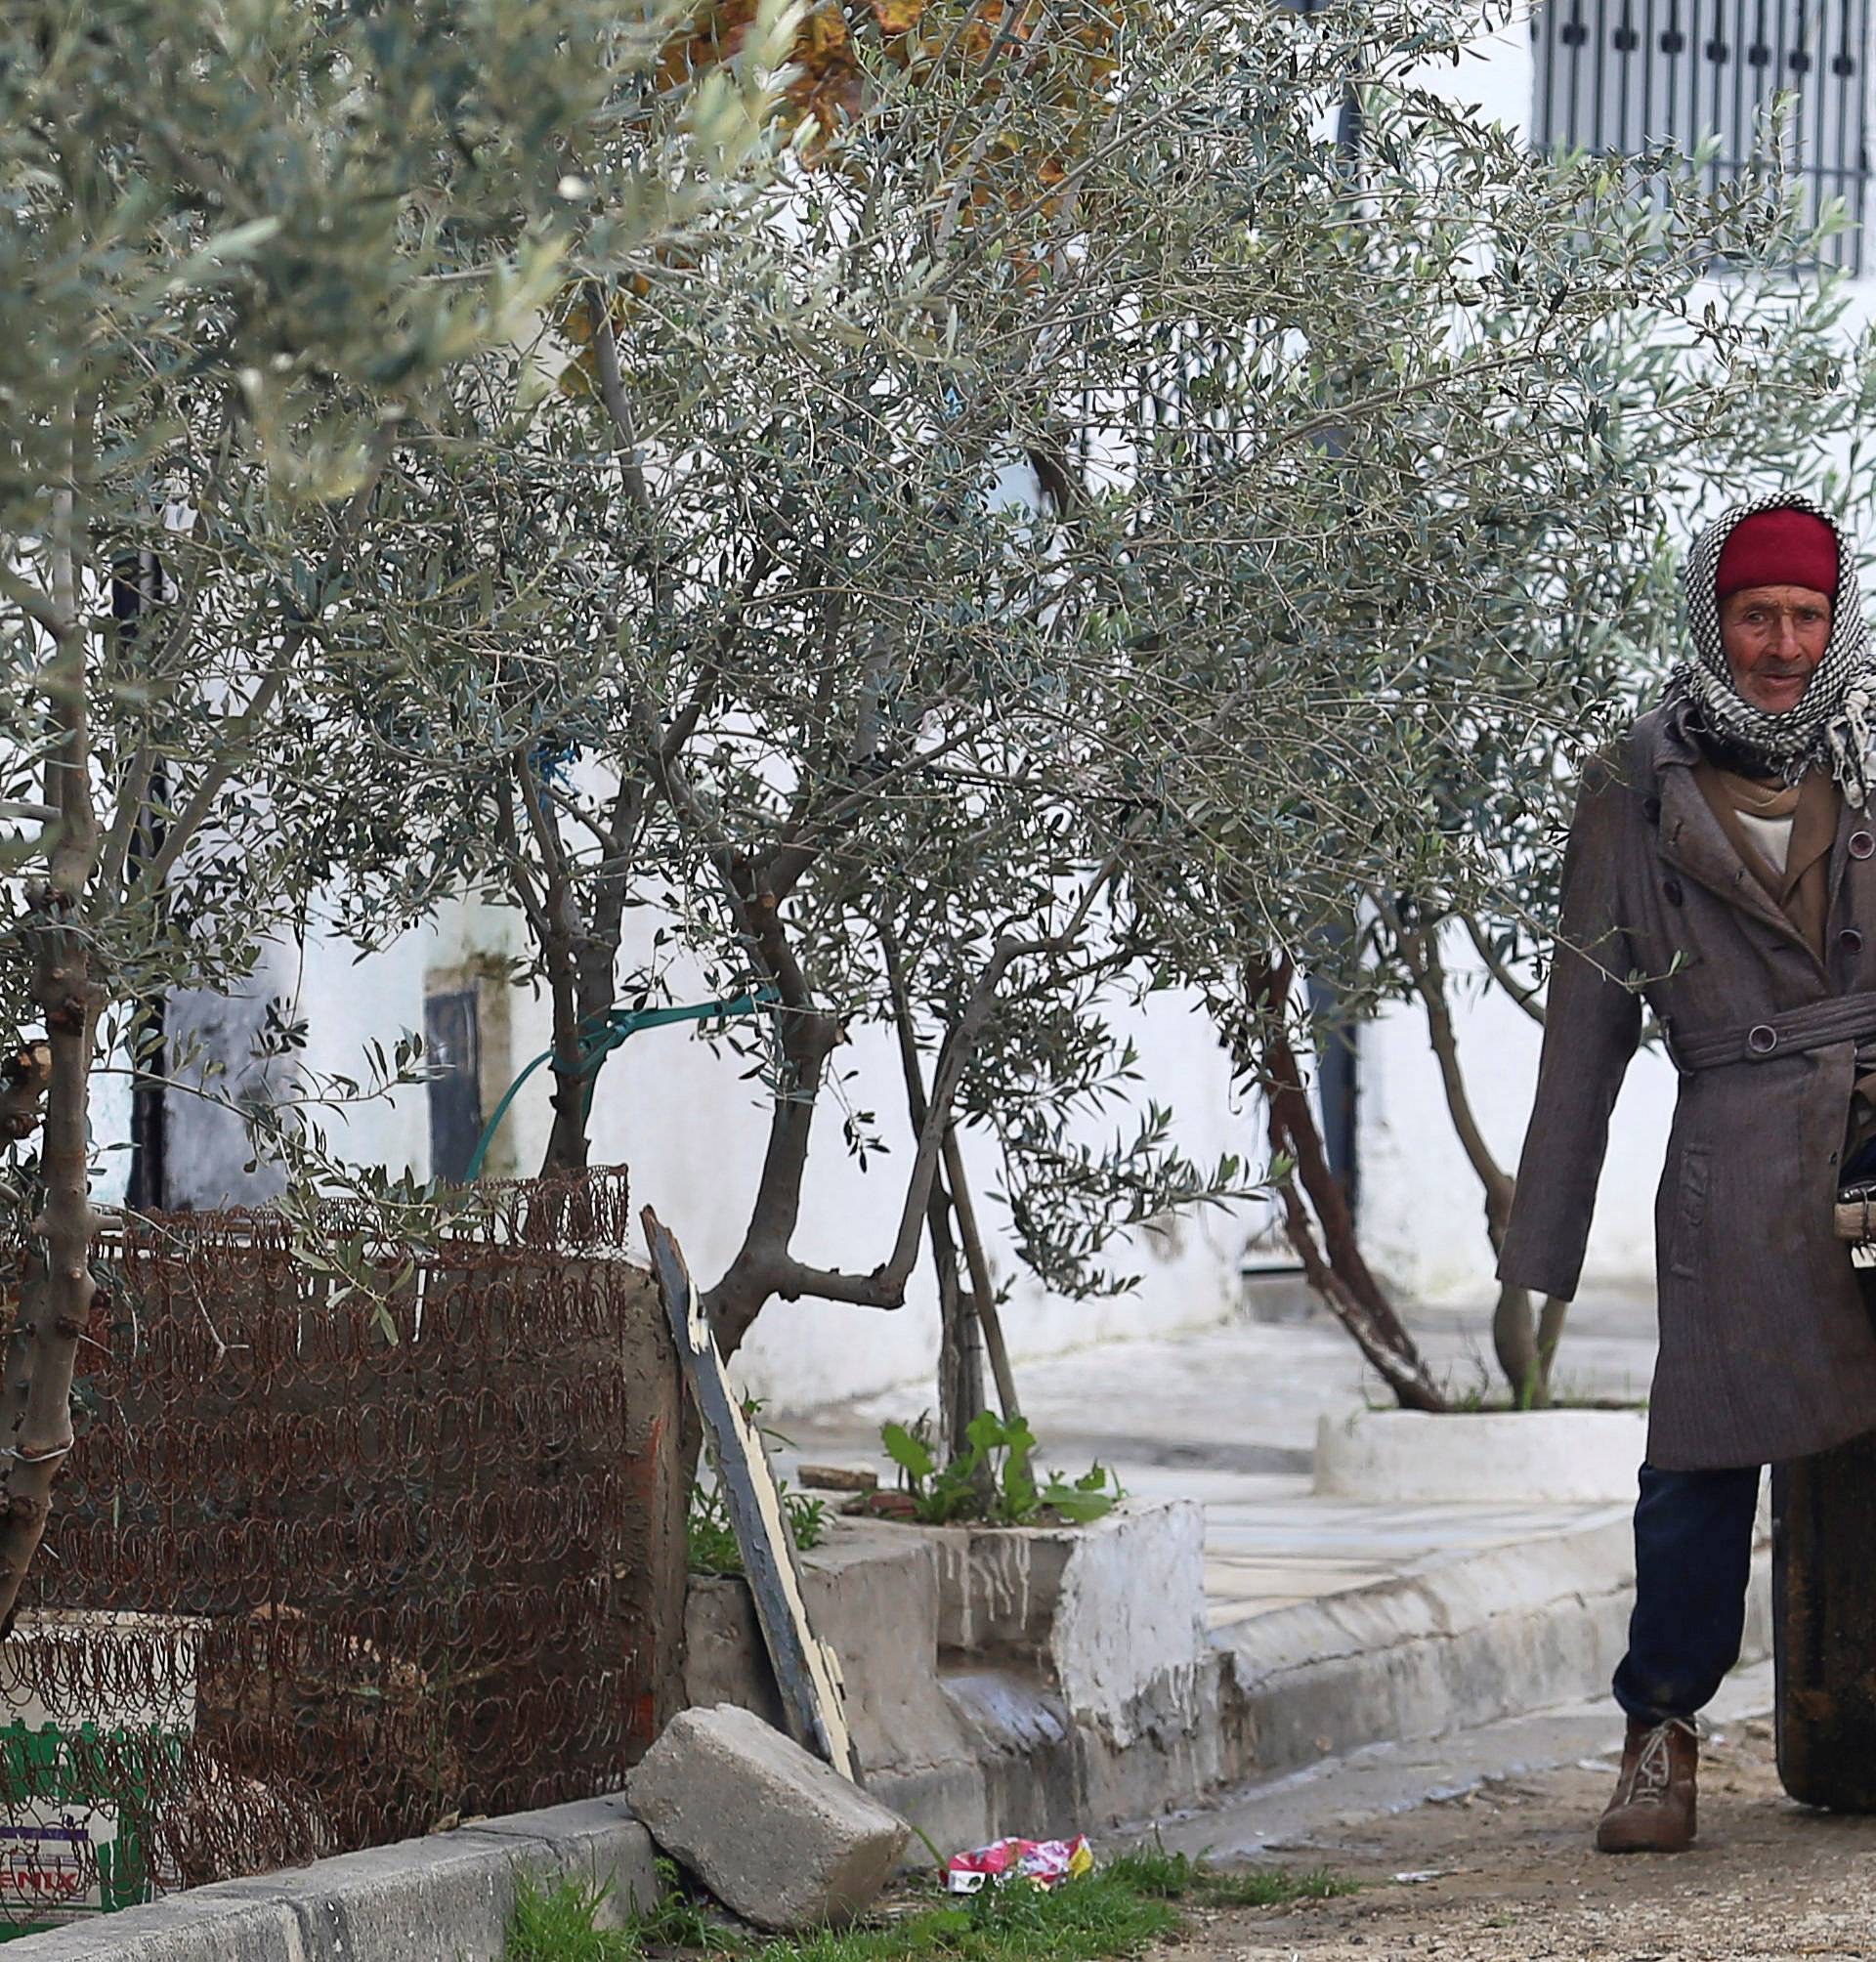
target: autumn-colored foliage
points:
(1015, 91)
(1034, 71)
(828, 86)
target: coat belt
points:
(1844, 1018)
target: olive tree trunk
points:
(1525, 1343)
(55, 1303)
(1313, 1201)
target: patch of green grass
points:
(1077, 1921)
(680, 1920)
(1166, 1875)
(1118, 1912)
(1270, 1887)
(555, 1924)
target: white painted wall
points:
(692, 1132)
(1422, 1209)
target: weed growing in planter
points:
(711, 1538)
(708, 1533)
(993, 1479)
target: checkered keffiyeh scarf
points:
(1834, 724)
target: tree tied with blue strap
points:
(599, 1036)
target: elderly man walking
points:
(1722, 867)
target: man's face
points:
(1774, 638)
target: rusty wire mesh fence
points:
(330, 1568)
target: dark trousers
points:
(1692, 1560)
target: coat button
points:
(1762, 1039)
(1671, 891)
(1861, 844)
(1850, 941)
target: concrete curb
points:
(1328, 1806)
(1455, 1642)
(445, 1899)
(1458, 1643)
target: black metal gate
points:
(1616, 75)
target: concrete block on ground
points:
(778, 1837)
(871, 1593)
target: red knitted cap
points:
(1777, 548)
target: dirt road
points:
(1511, 1874)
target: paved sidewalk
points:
(1330, 1810)
(1228, 1416)
(1481, 1849)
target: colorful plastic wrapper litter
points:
(1041, 1862)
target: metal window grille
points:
(1616, 75)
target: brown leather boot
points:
(1654, 1807)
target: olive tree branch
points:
(240, 726)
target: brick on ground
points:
(779, 1837)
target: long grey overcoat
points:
(1767, 1349)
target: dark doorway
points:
(452, 1032)
(1337, 1085)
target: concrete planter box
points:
(1112, 1613)
(1489, 1456)
(1032, 1679)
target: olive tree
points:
(246, 249)
(1074, 557)
(1704, 397)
